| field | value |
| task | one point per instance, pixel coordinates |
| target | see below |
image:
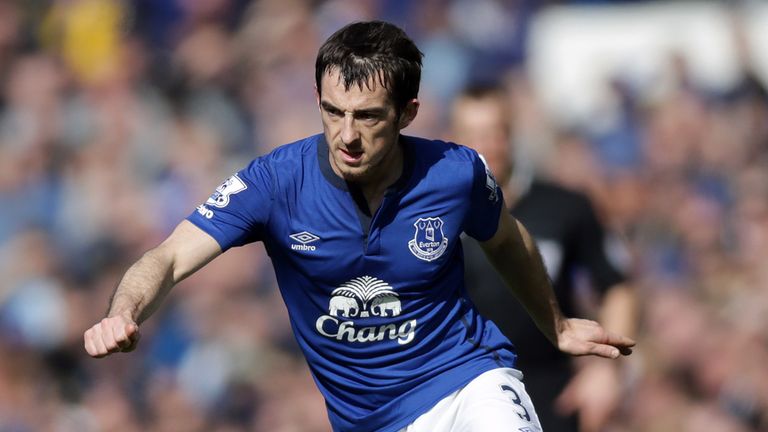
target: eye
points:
(368, 117)
(331, 111)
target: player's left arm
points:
(515, 256)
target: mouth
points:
(351, 156)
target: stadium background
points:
(118, 117)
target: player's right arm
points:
(144, 286)
(515, 256)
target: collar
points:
(325, 165)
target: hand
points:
(118, 333)
(594, 392)
(584, 337)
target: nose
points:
(349, 131)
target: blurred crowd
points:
(117, 118)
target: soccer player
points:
(570, 237)
(362, 225)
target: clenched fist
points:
(118, 333)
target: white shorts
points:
(495, 401)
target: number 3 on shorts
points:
(516, 399)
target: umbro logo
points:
(304, 237)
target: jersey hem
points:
(467, 372)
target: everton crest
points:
(429, 242)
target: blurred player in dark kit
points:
(569, 237)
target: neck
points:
(375, 186)
(386, 173)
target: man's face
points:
(362, 129)
(481, 124)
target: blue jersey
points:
(377, 302)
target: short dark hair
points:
(483, 90)
(363, 51)
(492, 91)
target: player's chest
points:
(328, 237)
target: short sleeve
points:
(485, 202)
(238, 211)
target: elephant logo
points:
(364, 296)
(347, 306)
(384, 303)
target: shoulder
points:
(296, 150)
(285, 158)
(444, 165)
(444, 159)
(441, 151)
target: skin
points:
(145, 284)
(512, 248)
(362, 129)
(594, 392)
(483, 124)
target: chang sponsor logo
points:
(334, 328)
(365, 297)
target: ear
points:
(409, 113)
(317, 96)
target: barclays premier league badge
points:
(429, 242)
(490, 181)
(231, 186)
